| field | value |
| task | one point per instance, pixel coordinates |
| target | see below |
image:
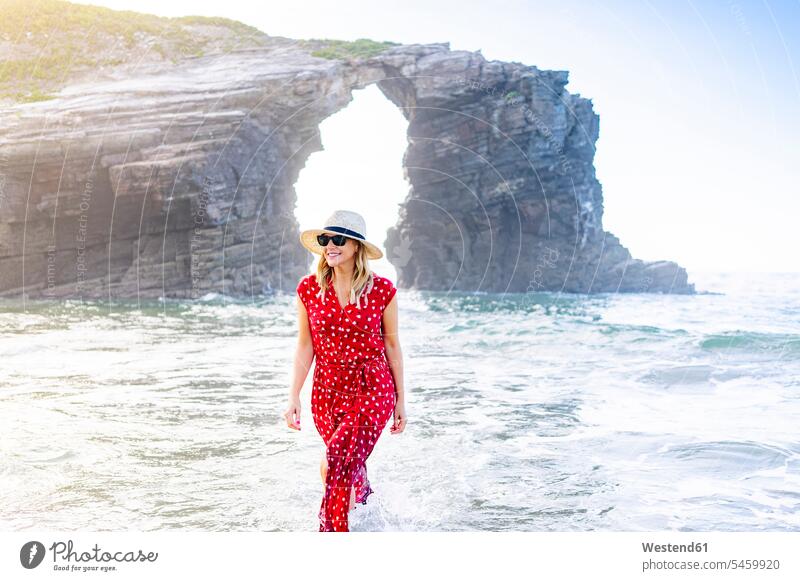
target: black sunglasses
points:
(338, 239)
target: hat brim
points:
(308, 238)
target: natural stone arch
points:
(178, 178)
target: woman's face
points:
(338, 255)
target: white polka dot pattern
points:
(353, 393)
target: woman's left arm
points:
(394, 355)
(391, 340)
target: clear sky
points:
(699, 104)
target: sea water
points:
(527, 412)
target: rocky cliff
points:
(175, 180)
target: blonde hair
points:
(363, 278)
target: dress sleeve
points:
(388, 293)
(302, 290)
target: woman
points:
(347, 320)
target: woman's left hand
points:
(399, 417)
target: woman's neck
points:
(343, 273)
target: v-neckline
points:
(332, 289)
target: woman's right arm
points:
(303, 357)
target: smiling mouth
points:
(334, 253)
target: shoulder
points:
(307, 283)
(381, 282)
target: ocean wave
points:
(783, 343)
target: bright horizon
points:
(699, 106)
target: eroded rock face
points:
(179, 182)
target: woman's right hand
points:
(292, 414)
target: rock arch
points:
(179, 182)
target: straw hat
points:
(346, 223)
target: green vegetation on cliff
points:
(342, 49)
(45, 42)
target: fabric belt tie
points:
(372, 363)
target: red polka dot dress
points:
(353, 393)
